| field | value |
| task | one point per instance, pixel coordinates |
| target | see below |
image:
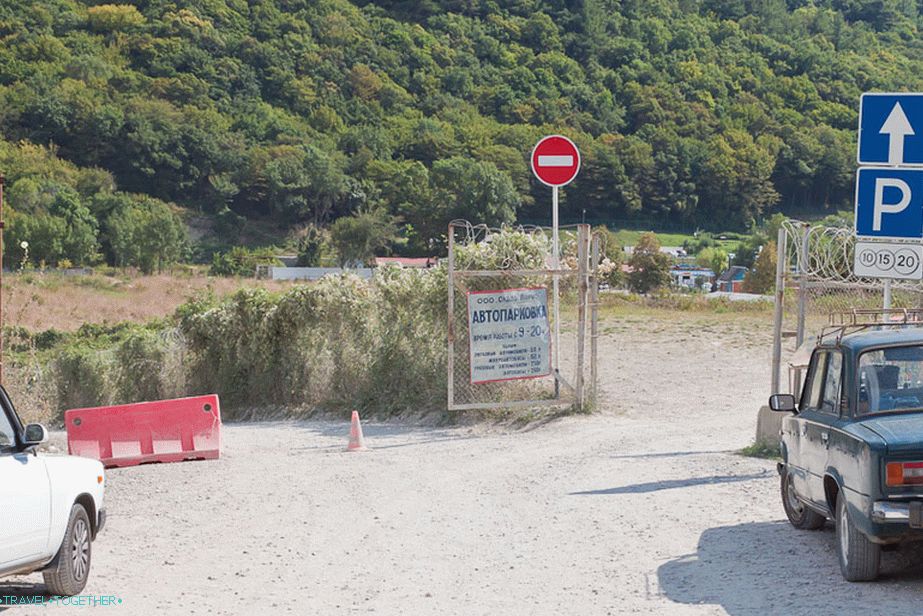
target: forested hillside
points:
(117, 120)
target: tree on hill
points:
(713, 258)
(289, 113)
(360, 237)
(650, 267)
(148, 235)
(762, 277)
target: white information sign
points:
(889, 260)
(508, 335)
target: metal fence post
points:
(450, 358)
(464, 274)
(594, 319)
(583, 237)
(781, 267)
(802, 297)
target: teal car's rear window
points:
(891, 379)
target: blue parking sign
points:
(890, 129)
(889, 203)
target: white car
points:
(51, 507)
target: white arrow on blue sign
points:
(889, 203)
(891, 129)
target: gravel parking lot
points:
(642, 508)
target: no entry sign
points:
(555, 160)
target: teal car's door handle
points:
(825, 437)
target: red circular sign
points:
(555, 160)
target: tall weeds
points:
(333, 345)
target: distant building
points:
(692, 277)
(273, 272)
(673, 251)
(288, 260)
(732, 280)
(416, 262)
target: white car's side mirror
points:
(35, 434)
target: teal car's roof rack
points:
(853, 321)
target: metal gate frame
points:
(816, 261)
(582, 392)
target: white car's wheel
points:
(68, 572)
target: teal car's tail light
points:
(904, 474)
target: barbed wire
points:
(826, 254)
(470, 235)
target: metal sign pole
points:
(450, 338)
(887, 295)
(2, 181)
(556, 264)
(594, 317)
(555, 162)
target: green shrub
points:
(83, 376)
(147, 234)
(336, 344)
(240, 261)
(140, 360)
(48, 339)
(339, 343)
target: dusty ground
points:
(642, 508)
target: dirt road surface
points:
(643, 508)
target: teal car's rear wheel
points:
(799, 514)
(859, 557)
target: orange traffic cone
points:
(356, 441)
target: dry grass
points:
(40, 301)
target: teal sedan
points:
(852, 449)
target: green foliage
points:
(141, 358)
(612, 257)
(748, 249)
(59, 226)
(333, 345)
(473, 190)
(37, 239)
(762, 276)
(650, 267)
(714, 259)
(699, 243)
(360, 237)
(769, 450)
(241, 261)
(312, 244)
(338, 344)
(707, 114)
(117, 364)
(229, 225)
(148, 235)
(81, 375)
(114, 18)
(505, 250)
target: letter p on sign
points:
(880, 207)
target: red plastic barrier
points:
(161, 431)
